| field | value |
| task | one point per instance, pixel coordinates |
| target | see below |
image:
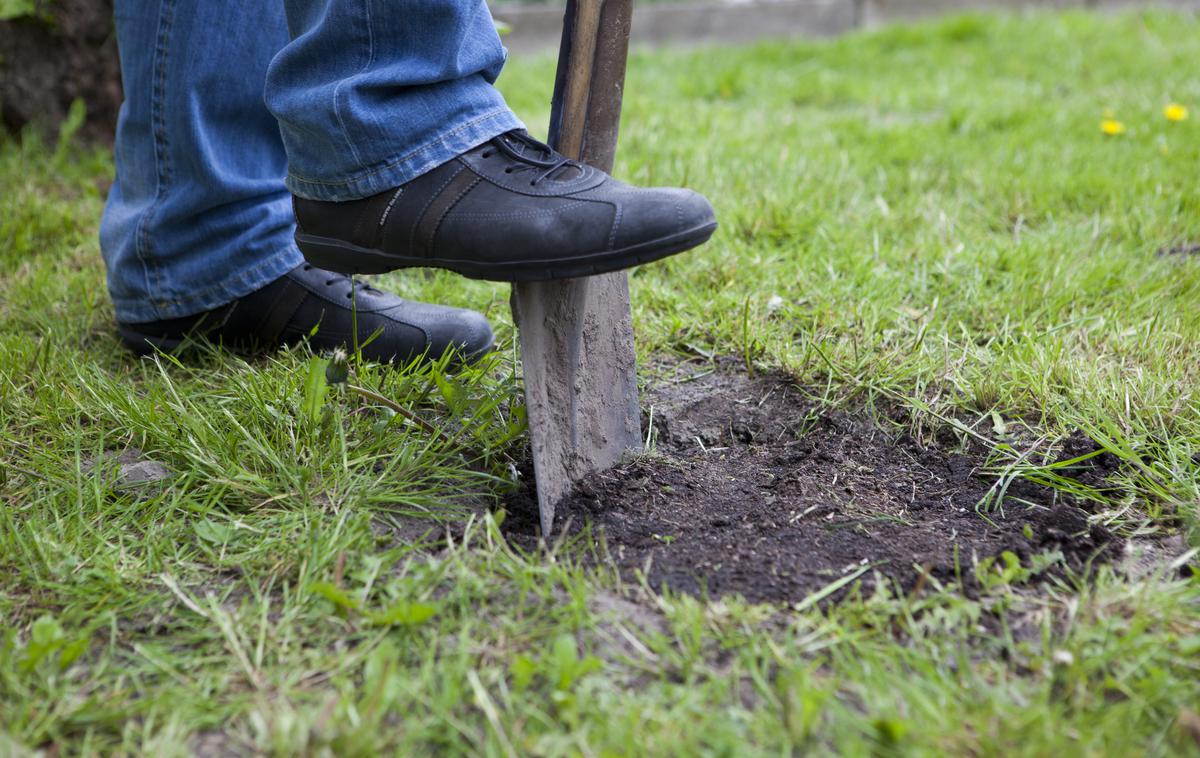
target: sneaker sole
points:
(346, 258)
(143, 345)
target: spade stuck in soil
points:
(577, 335)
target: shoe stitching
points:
(590, 184)
(431, 219)
(412, 236)
(343, 333)
(281, 312)
(612, 236)
(437, 227)
(384, 314)
(428, 334)
(524, 214)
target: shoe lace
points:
(356, 285)
(530, 155)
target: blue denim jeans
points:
(231, 104)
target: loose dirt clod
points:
(754, 492)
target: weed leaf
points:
(316, 387)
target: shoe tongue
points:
(522, 144)
(567, 173)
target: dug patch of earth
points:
(57, 53)
(755, 492)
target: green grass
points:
(948, 233)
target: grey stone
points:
(141, 472)
(128, 469)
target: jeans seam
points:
(143, 243)
(337, 108)
(246, 275)
(407, 157)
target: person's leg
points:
(198, 230)
(370, 94)
(402, 153)
(198, 215)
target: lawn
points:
(923, 226)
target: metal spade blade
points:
(577, 335)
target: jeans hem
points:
(137, 311)
(409, 166)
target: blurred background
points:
(56, 52)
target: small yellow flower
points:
(1112, 128)
(1175, 112)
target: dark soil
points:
(64, 51)
(754, 492)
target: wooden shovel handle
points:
(585, 116)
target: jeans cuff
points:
(138, 310)
(409, 166)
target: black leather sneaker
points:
(288, 310)
(512, 210)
